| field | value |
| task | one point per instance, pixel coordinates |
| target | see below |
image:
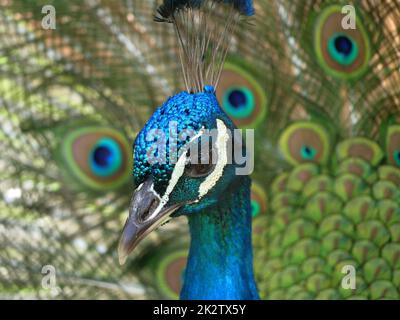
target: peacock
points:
(338, 207)
(324, 195)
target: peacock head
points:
(183, 163)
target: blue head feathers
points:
(171, 176)
(178, 120)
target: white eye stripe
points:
(179, 169)
(177, 173)
(222, 160)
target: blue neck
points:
(220, 263)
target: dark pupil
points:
(307, 150)
(201, 168)
(101, 156)
(343, 45)
(398, 155)
(237, 98)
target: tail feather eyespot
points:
(305, 142)
(241, 96)
(96, 157)
(343, 53)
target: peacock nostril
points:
(153, 205)
(144, 215)
(147, 211)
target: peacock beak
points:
(146, 213)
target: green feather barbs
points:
(393, 145)
(305, 142)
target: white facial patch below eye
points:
(222, 160)
(177, 173)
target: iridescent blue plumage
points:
(188, 112)
(171, 181)
(220, 262)
(220, 259)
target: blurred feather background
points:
(103, 69)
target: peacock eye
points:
(198, 170)
(202, 167)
